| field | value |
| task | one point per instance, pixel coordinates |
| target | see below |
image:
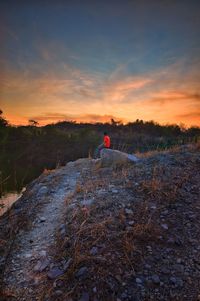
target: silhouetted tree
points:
(33, 122)
(3, 121)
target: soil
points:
(121, 234)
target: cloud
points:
(191, 115)
(163, 94)
(118, 91)
(165, 97)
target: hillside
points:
(126, 233)
(25, 151)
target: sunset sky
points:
(97, 60)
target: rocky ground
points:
(128, 233)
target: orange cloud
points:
(118, 90)
(171, 96)
(191, 115)
(164, 95)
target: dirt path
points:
(33, 249)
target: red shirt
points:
(106, 141)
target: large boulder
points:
(110, 157)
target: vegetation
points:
(25, 151)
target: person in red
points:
(106, 140)
(105, 144)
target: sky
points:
(90, 61)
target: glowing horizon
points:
(93, 62)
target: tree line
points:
(25, 151)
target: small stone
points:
(165, 226)
(67, 264)
(44, 265)
(58, 283)
(42, 219)
(173, 280)
(58, 293)
(131, 223)
(171, 240)
(94, 251)
(82, 272)
(43, 253)
(94, 290)
(28, 255)
(128, 211)
(43, 190)
(155, 279)
(138, 281)
(87, 202)
(115, 191)
(54, 273)
(149, 249)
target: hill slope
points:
(128, 233)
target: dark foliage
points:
(25, 151)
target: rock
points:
(165, 226)
(82, 272)
(115, 158)
(28, 255)
(128, 211)
(67, 264)
(85, 297)
(54, 273)
(41, 265)
(138, 281)
(58, 293)
(171, 240)
(63, 230)
(149, 248)
(72, 206)
(42, 219)
(94, 251)
(173, 280)
(94, 290)
(43, 253)
(87, 202)
(155, 279)
(43, 190)
(115, 191)
(58, 283)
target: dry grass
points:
(105, 225)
